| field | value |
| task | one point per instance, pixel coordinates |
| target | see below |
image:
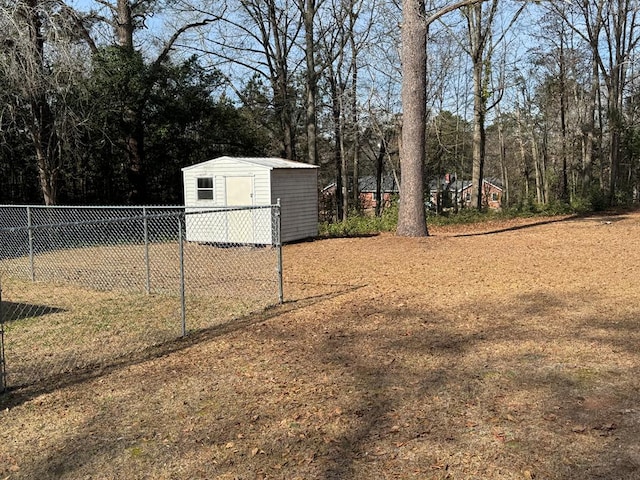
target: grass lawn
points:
(503, 350)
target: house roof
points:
(368, 184)
(268, 162)
(461, 185)
(491, 180)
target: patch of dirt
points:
(499, 351)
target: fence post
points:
(3, 370)
(30, 234)
(146, 250)
(183, 305)
(279, 247)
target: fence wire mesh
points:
(82, 286)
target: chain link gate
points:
(82, 286)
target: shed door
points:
(239, 192)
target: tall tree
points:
(126, 18)
(610, 28)
(41, 64)
(411, 214)
(261, 37)
(308, 10)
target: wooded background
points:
(104, 101)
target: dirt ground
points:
(506, 350)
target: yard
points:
(499, 351)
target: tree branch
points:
(450, 8)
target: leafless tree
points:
(611, 30)
(41, 64)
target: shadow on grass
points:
(411, 392)
(17, 394)
(501, 397)
(327, 236)
(518, 227)
(12, 311)
(604, 218)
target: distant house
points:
(447, 192)
(491, 193)
(367, 188)
(367, 194)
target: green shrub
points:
(358, 224)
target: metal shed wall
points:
(298, 194)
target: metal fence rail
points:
(81, 286)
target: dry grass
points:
(501, 351)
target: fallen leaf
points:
(606, 427)
(498, 435)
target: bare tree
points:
(345, 34)
(610, 28)
(41, 64)
(263, 38)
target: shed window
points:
(205, 188)
(494, 197)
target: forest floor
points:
(503, 350)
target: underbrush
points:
(359, 224)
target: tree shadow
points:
(12, 311)
(517, 227)
(604, 218)
(15, 395)
(561, 392)
(389, 379)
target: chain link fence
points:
(82, 286)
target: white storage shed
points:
(216, 191)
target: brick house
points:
(367, 188)
(445, 193)
(367, 195)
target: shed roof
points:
(268, 162)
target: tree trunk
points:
(132, 116)
(537, 163)
(503, 161)
(344, 168)
(589, 129)
(379, 164)
(523, 155)
(335, 109)
(312, 81)
(42, 126)
(280, 84)
(479, 135)
(411, 216)
(355, 129)
(564, 188)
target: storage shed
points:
(217, 191)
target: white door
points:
(239, 193)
